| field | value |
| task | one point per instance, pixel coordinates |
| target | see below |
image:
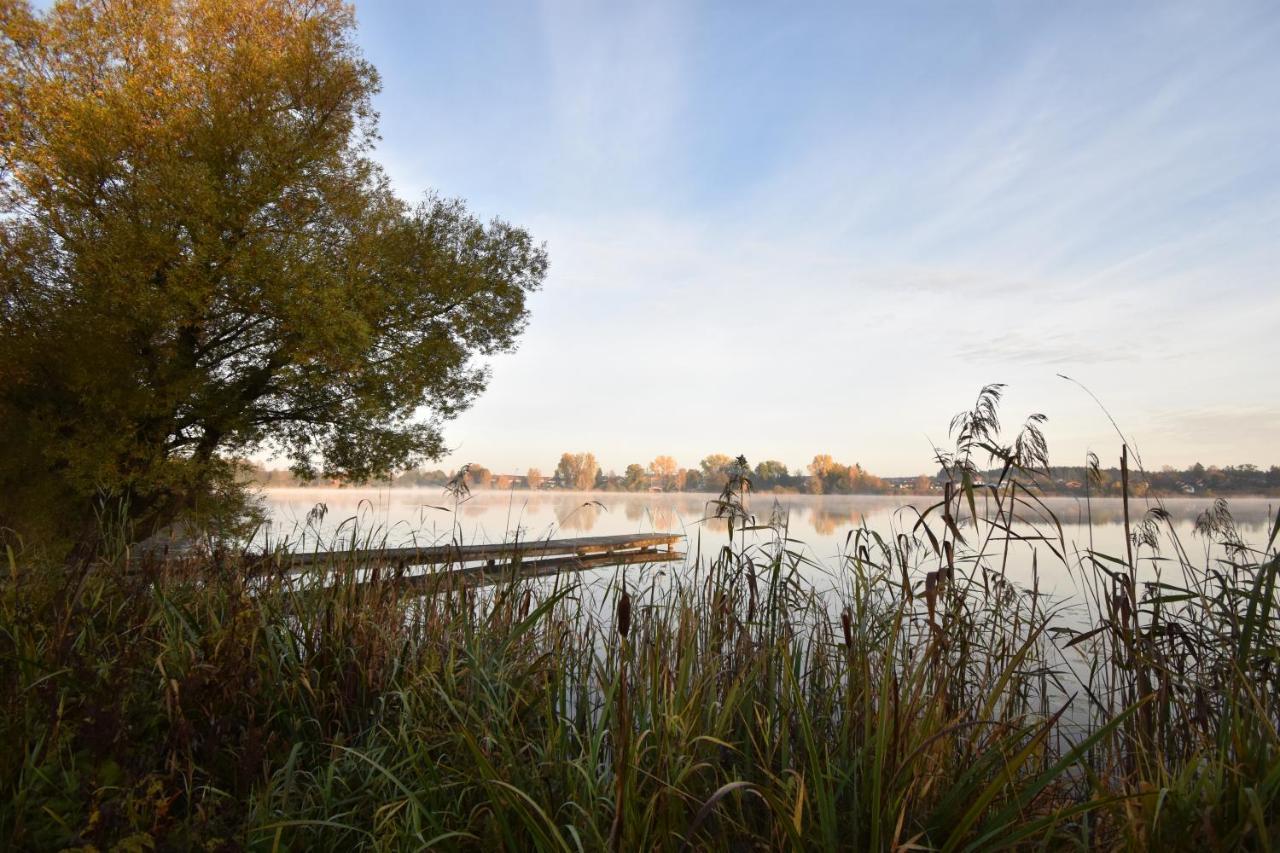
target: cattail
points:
(624, 614)
(931, 593)
(846, 622)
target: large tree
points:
(715, 471)
(664, 469)
(200, 259)
(635, 478)
(772, 473)
(577, 471)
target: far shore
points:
(387, 487)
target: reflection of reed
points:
(664, 518)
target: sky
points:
(790, 229)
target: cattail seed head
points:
(624, 614)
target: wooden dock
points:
(480, 564)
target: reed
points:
(908, 696)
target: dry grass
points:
(925, 703)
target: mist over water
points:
(818, 526)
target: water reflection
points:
(404, 516)
(578, 518)
(664, 518)
(827, 520)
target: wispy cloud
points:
(999, 346)
(616, 88)
(846, 206)
(1222, 435)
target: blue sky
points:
(786, 229)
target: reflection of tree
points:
(717, 525)
(578, 518)
(826, 519)
(634, 509)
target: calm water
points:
(818, 525)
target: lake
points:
(818, 526)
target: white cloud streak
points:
(1095, 194)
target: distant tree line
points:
(1167, 481)
(580, 471)
(822, 476)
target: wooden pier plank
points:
(483, 575)
(458, 554)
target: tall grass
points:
(924, 701)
